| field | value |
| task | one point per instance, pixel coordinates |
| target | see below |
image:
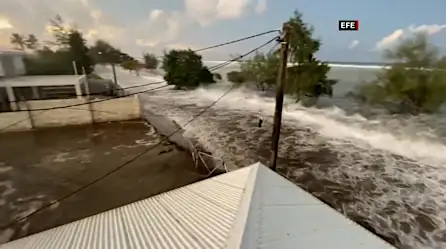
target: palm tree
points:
(18, 40)
(31, 42)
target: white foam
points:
(365, 151)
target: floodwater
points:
(387, 172)
(41, 166)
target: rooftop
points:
(252, 207)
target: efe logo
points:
(348, 25)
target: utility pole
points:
(285, 39)
(114, 73)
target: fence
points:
(118, 109)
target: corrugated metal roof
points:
(248, 208)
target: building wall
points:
(120, 109)
(12, 64)
(2, 71)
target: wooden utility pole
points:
(114, 73)
(285, 39)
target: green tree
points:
(217, 76)
(206, 76)
(103, 52)
(79, 51)
(415, 82)
(184, 69)
(150, 61)
(32, 42)
(309, 76)
(236, 77)
(131, 65)
(60, 32)
(18, 40)
(261, 70)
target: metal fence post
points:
(29, 111)
(88, 97)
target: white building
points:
(11, 63)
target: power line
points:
(241, 56)
(163, 81)
(134, 158)
(211, 47)
(149, 90)
(221, 65)
(238, 40)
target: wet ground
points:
(39, 167)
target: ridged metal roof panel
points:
(199, 215)
(248, 208)
(284, 216)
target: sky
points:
(138, 26)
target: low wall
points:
(110, 110)
(166, 127)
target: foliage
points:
(18, 40)
(415, 82)
(236, 77)
(217, 76)
(60, 32)
(262, 70)
(69, 44)
(104, 53)
(131, 65)
(311, 82)
(32, 42)
(150, 61)
(309, 76)
(79, 52)
(184, 69)
(206, 76)
(48, 62)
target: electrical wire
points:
(241, 56)
(238, 40)
(159, 82)
(134, 158)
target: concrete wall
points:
(12, 64)
(110, 110)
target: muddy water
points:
(387, 172)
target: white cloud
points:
(400, 34)
(390, 40)
(181, 46)
(208, 11)
(261, 6)
(4, 23)
(429, 29)
(155, 14)
(353, 44)
(159, 29)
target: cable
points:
(238, 40)
(207, 48)
(131, 160)
(149, 90)
(160, 82)
(80, 104)
(273, 47)
(241, 56)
